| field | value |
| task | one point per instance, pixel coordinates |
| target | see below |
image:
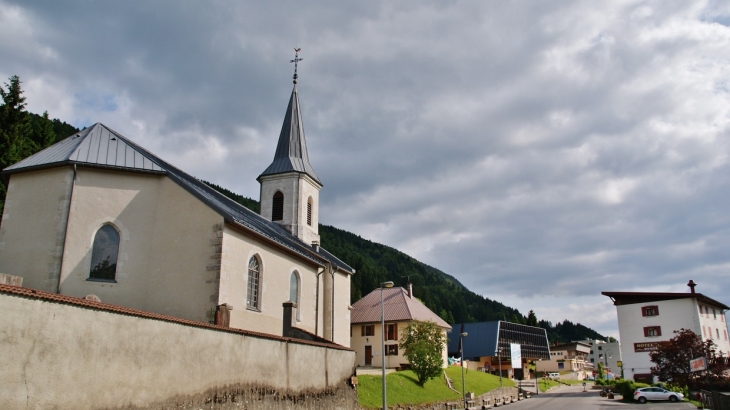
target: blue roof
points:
(100, 146)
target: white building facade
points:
(647, 318)
(606, 353)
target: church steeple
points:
(289, 186)
(291, 151)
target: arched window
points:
(309, 211)
(277, 209)
(104, 254)
(294, 290)
(254, 279)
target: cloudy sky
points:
(540, 152)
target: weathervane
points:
(296, 61)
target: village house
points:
(401, 308)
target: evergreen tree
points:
(531, 319)
(15, 129)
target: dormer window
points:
(277, 207)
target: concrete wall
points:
(63, 356)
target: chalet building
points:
(97, 215)
(401, 308)
(648, 318)
(567, 357)
(488, 346)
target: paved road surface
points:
(573, 397)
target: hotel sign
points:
(698, 364)
(645, 346)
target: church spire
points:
(291, 151)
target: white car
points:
(656, 393)
(554, 376)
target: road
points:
(573, 397)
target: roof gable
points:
(398, 306)
(97, 146)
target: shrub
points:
(627, 388)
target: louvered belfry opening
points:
(309, 212)
(277, 209)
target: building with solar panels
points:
(488, 346)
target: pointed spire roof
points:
(291, 151)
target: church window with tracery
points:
(104, 254)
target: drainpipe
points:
(316, 304)
(65, 233)
(332, 308)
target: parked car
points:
(554, 376)
(656, 393)
(590, 378)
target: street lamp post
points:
(462, 335)
(499, 358)
(607, 355)
(382, 339)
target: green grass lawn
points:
(545, 384)
(402, 387)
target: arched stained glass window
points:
(104, 254)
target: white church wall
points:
(164, 251)
(276, 269)
(342, 309)
(65, 356)
(31, 242)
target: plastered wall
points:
(35, 253)
(276, 269)
(61, 356)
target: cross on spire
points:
(296, 61)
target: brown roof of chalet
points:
(398, 307)
(628, 298)
(70, 300)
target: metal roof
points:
(291, 151)
(99, 146)
(398, 306)
(628, 298)
(93, 146)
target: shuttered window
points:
(650, 311)
(309, 211)
(652, 331)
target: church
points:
(97, 216)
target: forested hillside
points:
(24, 134)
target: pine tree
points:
(15, 129)
(531, 319)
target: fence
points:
(715, 400)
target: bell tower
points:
(289, 193)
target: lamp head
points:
(464, 334)
(388, 284)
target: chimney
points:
(691, 285)
(289, 307)
(410, 290)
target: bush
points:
(627, 388)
